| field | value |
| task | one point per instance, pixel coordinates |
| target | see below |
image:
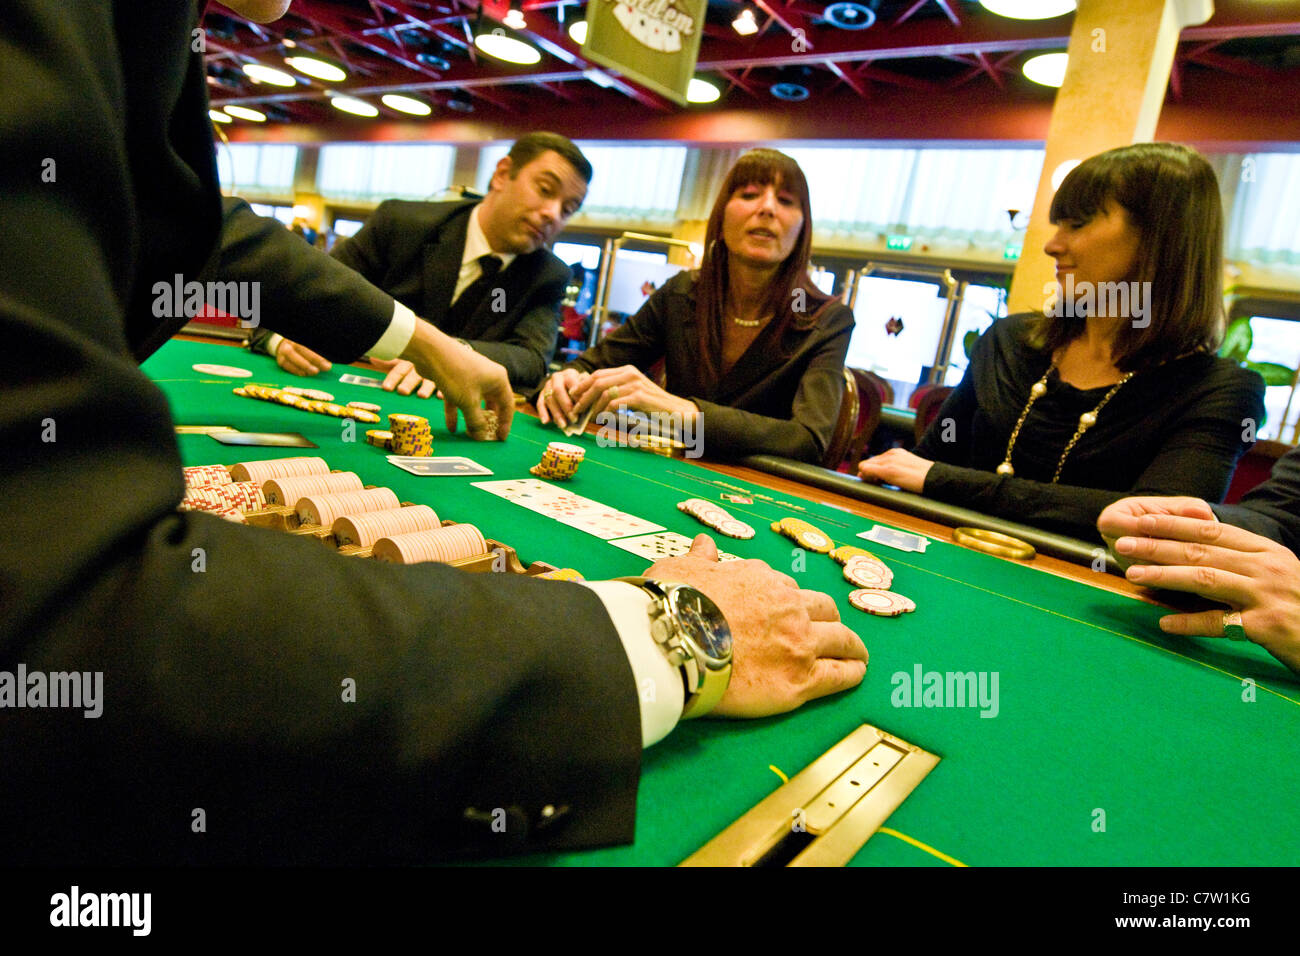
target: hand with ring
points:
(626, 387)
(1180, 549)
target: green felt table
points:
(1112, 745)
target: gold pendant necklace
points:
(1086, 421)
(746, 323)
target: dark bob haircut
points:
(761, 167)
(531, 145)
(1171, 196)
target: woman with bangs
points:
(753, 352)
(1115, 389)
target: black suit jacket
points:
(1271, 508)
(224, 650)
(413, 251)
(780, 398)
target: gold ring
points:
(991, 542)
(1232, 627)
(547, 393)
(613, 391)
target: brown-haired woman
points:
(1114, 389)
(753, 352)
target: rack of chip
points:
(303, 497)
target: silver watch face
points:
(701, 621)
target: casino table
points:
(1112, 744)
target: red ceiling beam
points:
(907, 14)
(739, 82)
(786, 25)
(848, 79)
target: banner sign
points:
(652, 42)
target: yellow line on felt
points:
(777, 770)
(1107, 630)
(952, 861)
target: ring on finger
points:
(547, 393)
(613, 391)
(1232, 626)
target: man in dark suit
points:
(429, 257)
(262, 699)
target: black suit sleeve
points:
(306, 295)
(1272, 508)
(263, 700)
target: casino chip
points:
(803, 534)
(881, 603)
(313, 393)
(868, 573)
(364, 406)
(715, 517)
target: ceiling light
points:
(406, 104)
(498, 44)
(701, 91)
(745, 24)
(515, 19)
(789, 91)
(1028, 9)
(354, 106)
(1047, 68)
(578, 32)
(243, 112)
(266, 74)
(320, 69)
(848, 15)
(219, 117)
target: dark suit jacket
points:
(1271, 508)
(224, 649)
(413, 251)
(780, 398)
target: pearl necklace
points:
(747, 323)
(1086, 421)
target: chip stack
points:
(203, 476)
(411, 435)
(244, 496)
(380, 439)
(560, 461)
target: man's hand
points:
(1250, 573)
(1121, 518)
(403, 378)
(299, 360)
(896, 467)
(468, 381)
(788, 645)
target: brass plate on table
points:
(827, 812)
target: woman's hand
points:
(625, 387)
(896, 467)
(555, 402)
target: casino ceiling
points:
(891, 69)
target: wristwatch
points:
(694, 636)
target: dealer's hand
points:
(1253, 575)
(403, 378)
(469, 381)
(788, 645)
(896, 467)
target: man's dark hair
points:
(531, 145)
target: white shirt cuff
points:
(658, 684)
(394, 341)
(272, 344)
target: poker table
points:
(1112, 744)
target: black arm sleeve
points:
(1272, 508)
(263, 700)
(528, 349)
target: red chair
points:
(927, 409)
(879, 384)
(919, 393)
(846, 423)
(869, 405)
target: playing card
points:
(578, 427)
(445, 465)
(567, 508)
(270, 439)
(901, 540)
(350, 379)
(664, 544)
